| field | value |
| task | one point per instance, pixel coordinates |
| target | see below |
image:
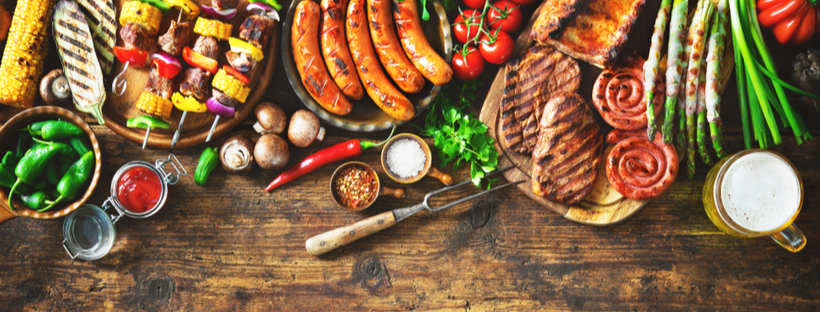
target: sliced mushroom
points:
(54, 88)
(236, 155)
(271, 118)
(304, 128)
(271, 152)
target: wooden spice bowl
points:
(8, 139)
(398, 193)
(428, 168)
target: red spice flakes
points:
(356, 187)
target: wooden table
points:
(231, 246)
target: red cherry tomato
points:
(522, 2)
(464, 32)
(497, 47)
(468, 64)
(504, 15)
(475, 4)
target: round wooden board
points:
(119, 109)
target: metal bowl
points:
(8, 139)
(366, 116)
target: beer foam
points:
(760, 192)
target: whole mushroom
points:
(270, 118)
(271, 152)
(54, 88)
(236, 155)
(304, 128)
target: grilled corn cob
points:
(155, 105)
(145, 15)
(26, 48)
(231, 86)
(208, 27)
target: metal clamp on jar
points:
(139, 190)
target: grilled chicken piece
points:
(133, 36)
(159, 85)
(102, 19)
(223, 5)
(529, 83)
(594, 31)
(256, 30)
(565, 160)
(177, 37)
(207, 46)
(240, 61)
(196, 83)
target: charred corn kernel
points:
(26, 47)
(231, 86)
(155, 105)
(145, 15)
(213, 28)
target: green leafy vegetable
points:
(460, 138)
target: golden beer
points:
(755, 193)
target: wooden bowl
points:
(366, 116)
(8, 140)
(428, 168)
(398, 193)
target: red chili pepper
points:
(198, 60)
(236, 74)
(134, 56)
(791, 21)
(340, 151)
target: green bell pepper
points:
(77, 176)
(145, 122)
(272, 3)
(207, 163)
(159, 4)
(35, 201)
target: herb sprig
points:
(459, 137)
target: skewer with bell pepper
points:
(140, 19)
(230, 88)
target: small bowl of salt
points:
(406, 158)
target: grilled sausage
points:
(334, 49)
(415, 44)
(378, 87)
(306, 55)
(637, 168)
(379, 14)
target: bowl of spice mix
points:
(355, 186)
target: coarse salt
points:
(405, 158)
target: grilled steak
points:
(565, 160)
(207, 46)
(178, 36)
(256, 30)
(240, 61)
(196, 83)
(593, 31)
(159, 85)
(529, 83)
(133, 36)
(225, 99)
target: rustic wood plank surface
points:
(231, 246)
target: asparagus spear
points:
(650, 67)
(698, 28)
(674, 64)
(714, 61)
(681, 100)
(701, 118)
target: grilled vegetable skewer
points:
(203, 57)
(139, 22)
(650, 67)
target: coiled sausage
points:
(620, 97)
(637, 168)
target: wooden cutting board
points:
(118, 109)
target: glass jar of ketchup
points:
(139, 190)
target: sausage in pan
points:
(378, 87)
(426, 60)
(382, 30)
(306, 55)
(334, 49)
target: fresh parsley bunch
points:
(459, 137)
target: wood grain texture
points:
(229, 246)
(118, 109)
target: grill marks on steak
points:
(568, 150)
(530, 81)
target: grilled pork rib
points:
(565, 160)
(530, 81)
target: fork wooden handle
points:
(330, 240)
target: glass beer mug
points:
(755, 193)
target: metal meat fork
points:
(330, 240)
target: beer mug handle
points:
(791, 238)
